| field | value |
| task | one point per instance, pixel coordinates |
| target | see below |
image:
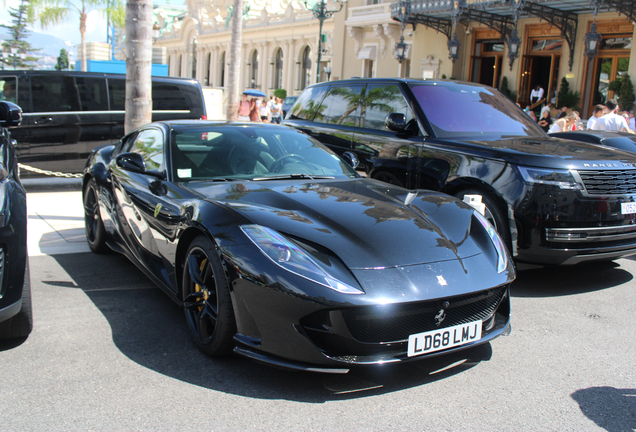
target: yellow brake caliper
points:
(199, 288)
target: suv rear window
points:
(307, 104)
(340, 106)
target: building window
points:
(206, 78)
(368, 69)
(193, 58)
(278, 69)
(169, 68)
(254, 70)
(487, 62)
(405, 68)
(222, 70)
(179, 66)
(305, 75)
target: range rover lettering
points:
(554, 201)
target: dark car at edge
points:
(553, 201)
(16, 319)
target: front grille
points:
(609, 182)
(391, 323)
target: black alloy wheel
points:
(93, 224)
(206, 299)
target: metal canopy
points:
(499, 14)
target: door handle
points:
(43, 120)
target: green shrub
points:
(567, 97)
(626, 96)
(280, 93)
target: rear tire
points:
(494, 214)
(21, 324)
(93, 224)
(387, 177)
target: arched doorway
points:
(305, 74)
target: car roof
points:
(358, 80)
(181, 124)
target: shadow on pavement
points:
(610, 408)
(569, 280)
(150, 329)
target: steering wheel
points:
(278, 163)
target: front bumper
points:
(567, 227)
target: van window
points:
(380, 101)
(68, 93)
(340, 106)
(117, 94)
(167, 97)
(11, 93)
(307, 104)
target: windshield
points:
(460, 110)
(227, 153)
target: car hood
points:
(544, 152)
(364, 222)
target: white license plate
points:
(628, 208)
(436, 340)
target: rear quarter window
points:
(307, 104)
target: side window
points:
(380, 101)
(149, 143)
(92, 93)
(11, 92)
(340, 106)
(117, 94)
(168, 97)
(49, 94)
(307, 104)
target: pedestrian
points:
(632, 121)
(276, 110)
(599, 111)
(545, 121)
(536, 95)
(254, 111)
(244, 109)
(565, 124)
(547, 107)
(563, 113)
(612, 121)
(265, 112)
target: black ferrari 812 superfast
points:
(278, 250)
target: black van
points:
(68, 114)
(553, 201)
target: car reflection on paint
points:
(279, 251)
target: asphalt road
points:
(110, 352)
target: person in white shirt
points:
(536, 94)
(599, 111)
(566, 123)
(547, 108)
(612, 121)
(264, 111)
(276, 108)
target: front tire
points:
(21, 324)
(494, 214)
(93, 224)
(206, 299)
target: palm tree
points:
(138, 64)
(235, 61)
(52, 12)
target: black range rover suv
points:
(553, 201)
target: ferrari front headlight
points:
(287, 255)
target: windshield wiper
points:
(293, 176)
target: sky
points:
(69, 30)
